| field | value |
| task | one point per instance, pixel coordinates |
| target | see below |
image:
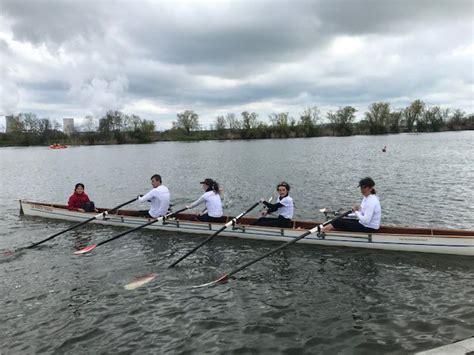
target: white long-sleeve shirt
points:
(370, 212)
(213, 203)
(159, 198)
(287, 209)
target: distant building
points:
(9, 123)
(68, 125)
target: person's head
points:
(79, 188)
(283, 188)
(155, 180)
(367, 186)
(210, 185)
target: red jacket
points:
(76, 200)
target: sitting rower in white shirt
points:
(284, 206)
(159, 197)
(367, 216)
(212, 199)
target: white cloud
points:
(158, 58)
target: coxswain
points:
(79, 201)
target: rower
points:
(284, 206)
(212, 199)
(159, 197)
(366, 217)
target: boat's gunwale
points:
(385, 230)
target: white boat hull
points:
(459, 242)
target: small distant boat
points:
(384, 149)
(425, 240)
(58, 146)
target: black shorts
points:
(144, 213)
(207, 218)
(352, 225)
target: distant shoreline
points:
(196, 136)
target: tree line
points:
(116, 127)
(379, 119)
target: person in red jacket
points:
(79, 201)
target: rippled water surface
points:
(305, 299)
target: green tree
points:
(187, 121)
(432, 119)
(395, 120)
(309, 121)
(220, 126)
(413, 114)
(249, 120)
(281, 124)
(378, 117)
(342, 120)
(457, 121)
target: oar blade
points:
(140, 281)
(221, 280)
(86, 249)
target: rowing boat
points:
(425, 240)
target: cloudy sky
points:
(73, 58)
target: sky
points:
(71, 58)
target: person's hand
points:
(355, 208)
(188, 207)
(139, 196)
(81, 210)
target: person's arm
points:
(71, 203)
(197, 202)
(272, 207)
(148, 196)
(366, 217)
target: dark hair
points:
(368, 182)
(79, 184)
(212, 185)
(285, 185)
(156, 177)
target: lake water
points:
(303, 300)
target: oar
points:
(228, 224)
(226, 276)
(262, 210)
(102, 214)
(93, 246)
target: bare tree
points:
(89, 124)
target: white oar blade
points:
(221, 280)
(86, 249)
(139, 281)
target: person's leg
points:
(351, 225)
(267, 222)
(143, 213)
(88, 206)
(284, 222)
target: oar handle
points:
(228, 224)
